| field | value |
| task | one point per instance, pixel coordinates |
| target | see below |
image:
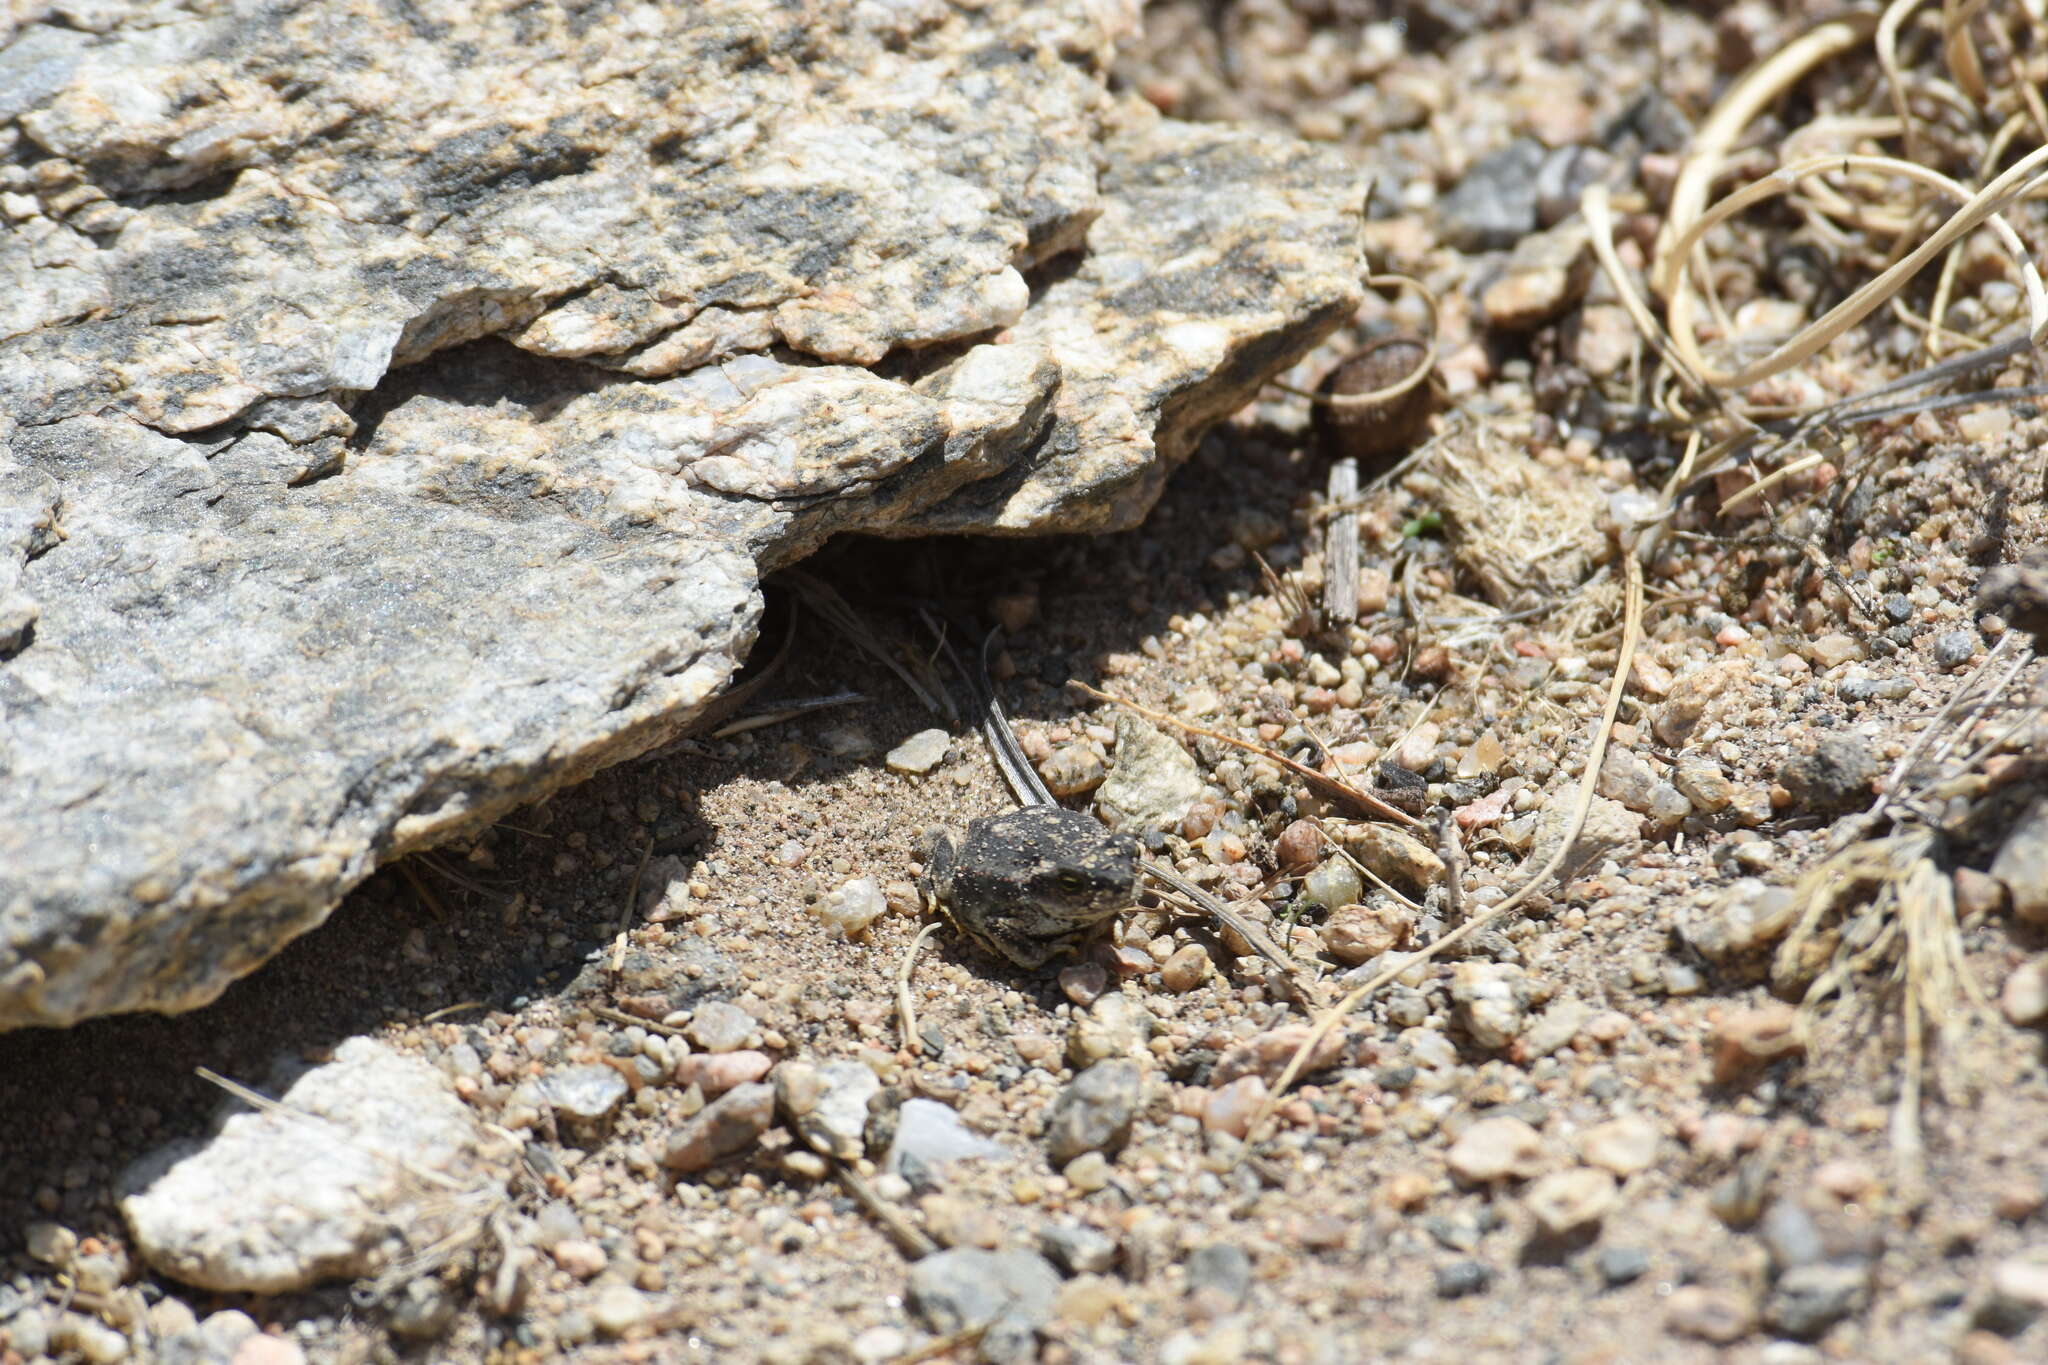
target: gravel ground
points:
(1599, 1132)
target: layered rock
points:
(399, 406)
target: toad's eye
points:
(1073, 882)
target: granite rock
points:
(398, 407)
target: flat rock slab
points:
(399, 407)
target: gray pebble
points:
(2022, 864)
(421, 1310)
(1460, 1278)
(1954, 648)
(585, 1094)
(1791, 1236)
(1222, 1270)
(1114, 1026)
(1899, 608)
(2018, 1293)
(1076, 1248)
(837, 1123)
(1837, 775)
(619, 1309)
(1622, 1265)
(573, 1326)
(1494, 206)
(921, 753)
(29, 1333)
(1011, 1291)
(1336, 883)
(1095, 1110)
(928, 1135)
(1809, 1299)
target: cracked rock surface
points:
(398, 406)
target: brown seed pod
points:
(1388, 428)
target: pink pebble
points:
(717, 1072)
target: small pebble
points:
(1114, 1026)
(1088, 1172)
(620, 1308)
(264, 1349)
(929, 1135)
(717, 1072)
(1746, 1040)
(1360, 933)
(1222, 1272)
(585, 1260)
(1809, 1299)
(1095, 1110)
(586, 1094)
(2022, 864)
(1462, 1278)
(1229, 1108)
(1298, 846)
(421, 1311)
(1336, 883)
(1492, 1000)
(1837, 775)
(1954, 649)
(1077, 1249)
(1073, 770)
(1399, 859)
(1186, 969)
(1833, 650)
(1622, 1265)
(720, 1026)
(2025, 996)
(728, 1125)
(1552, 1030)
(2018, 1292)
(921, 753)
(1267, 1054)
(850, 909)
(1496, 1149)
(1721, 1316)
(835, 1121)
(1624, 1145)
(1013, 1293)
(1569, 1202)
(1084, 982)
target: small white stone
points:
(720, 1026)
(619, 1309)
(921, 753)
(2025, 997)
(1566, 1201)
(1495, 1149)
(1624, 1145)
(849, 910)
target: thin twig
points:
(906, 1013)
(1340, 548)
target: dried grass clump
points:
(1888, 179)
(1522, 531)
